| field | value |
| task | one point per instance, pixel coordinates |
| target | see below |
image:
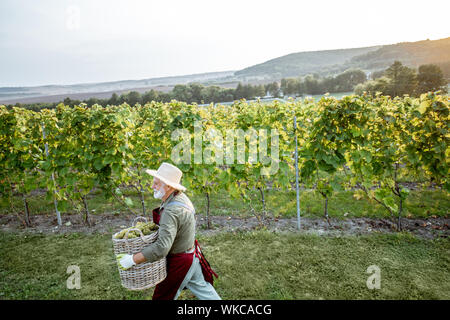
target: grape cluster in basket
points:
(145, 227)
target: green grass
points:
(254, 265)
(419, 204)
(294, 266)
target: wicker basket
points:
(144, 275)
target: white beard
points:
(158, 194)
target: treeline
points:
(398, 80)
(190, 93)
(200, 94)
(313, 84)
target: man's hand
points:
(125, 261)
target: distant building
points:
(267, 96)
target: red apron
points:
(177, 267)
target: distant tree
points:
(312, 85)
(329, 84)
(347, 80)
(289, 86)
(373, 86)
(360, 88)
(165, 97)
(123, 98)
(377, 74)
(244, 91)
(300, 89)
(239, 91)
(273, 89)
(196, 92)
(252, 91)
(445, 67)
(71, 103)
(260, 91)
(249, 92)
(212, 94)
(181, 93)
(227, 95)
(150, 96)
(114, 100)
(133, 98)
(91, 101)
(403, 80)
(283, 85)
(430, 78)
(67, 101)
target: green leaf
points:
(390, 202)
(128, 202)
(381, 193)
(63, 205)
(366, 155)
(355, 132)
(108, 159)
(64, 171)
(98, 163)
(423, 106)
(366, 171)
(447, 186)
(404, 192)
(336, 186)
(116, 168)
(325, 166)
(234, 190)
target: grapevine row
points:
(357, 140)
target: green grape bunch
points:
(145, 227)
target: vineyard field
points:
(363, 144)
(374, 189)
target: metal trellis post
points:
(296, 173)
(58, 214)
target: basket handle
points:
(137, 218)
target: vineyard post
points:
(58, 215)
(296, 173)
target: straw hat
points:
(169, 174)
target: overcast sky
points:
(69, 41)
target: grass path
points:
(251, 265)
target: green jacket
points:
(176, 229)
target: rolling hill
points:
(374, 58)
(412, 54)
(324, 63)
(301, 63)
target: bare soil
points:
(430, 228)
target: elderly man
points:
(186, 265)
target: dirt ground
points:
(430, 228)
